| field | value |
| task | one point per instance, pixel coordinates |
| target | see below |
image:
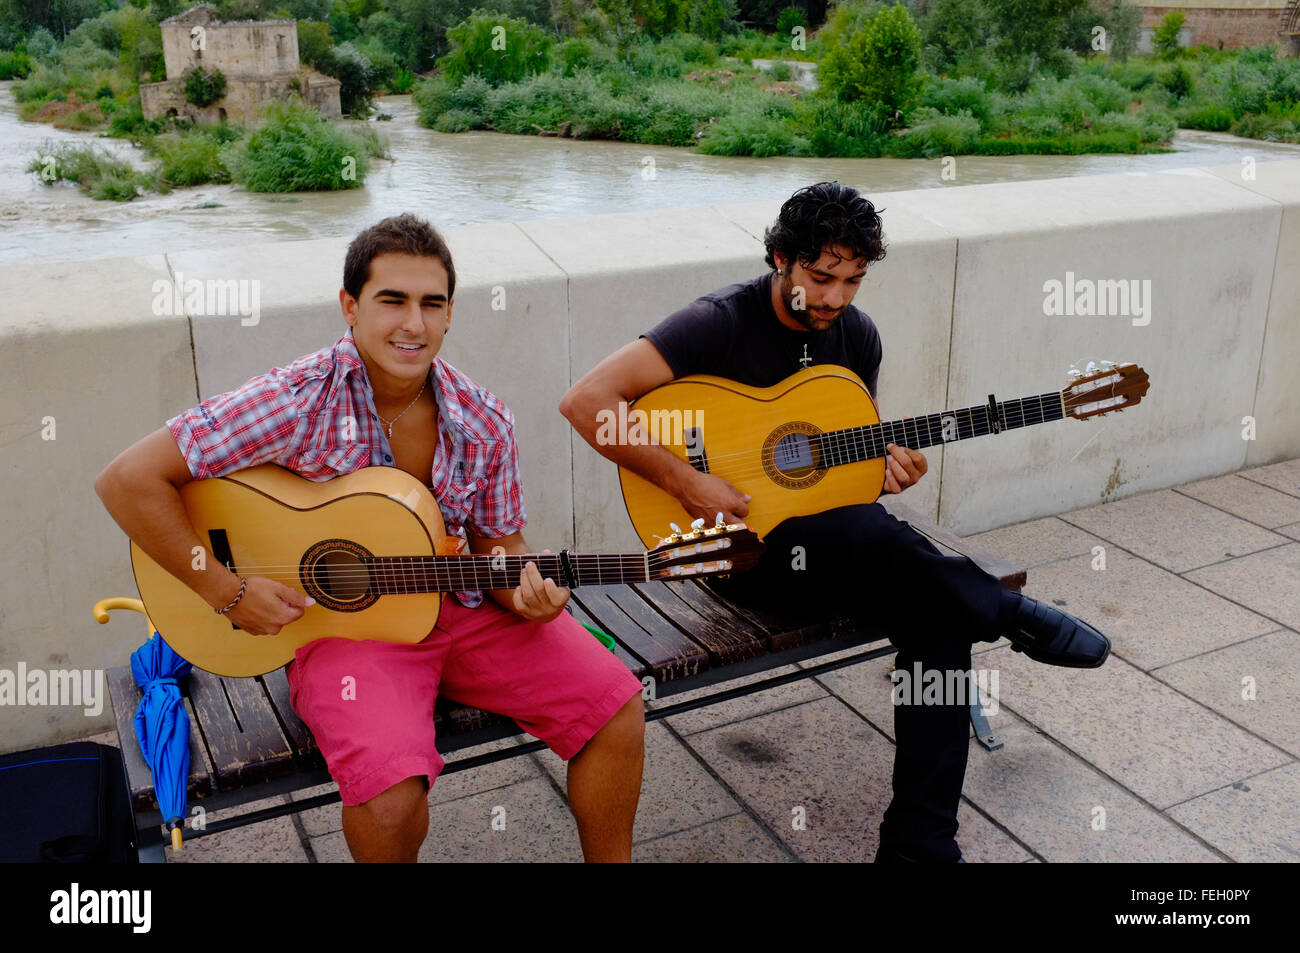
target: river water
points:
(478, 177)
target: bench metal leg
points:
(983, 733)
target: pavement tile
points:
(1284, 476)
(1160, 745)
(1152, 617)
(1065, 810)
(267, 842)
(1245, 498)
(1293, 530)
(1252, 821)
(1172, 530)
(1216, 681)
(1035, 542)
(701, 719)
(823, 759)
(537, 826)
(734, 839)
(868, 690)
(1268, 582)
(448, 787)
(677, 793)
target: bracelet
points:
(243, 584)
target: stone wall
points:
(253, 48)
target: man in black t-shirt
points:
(934, 606)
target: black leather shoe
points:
(1048, 635)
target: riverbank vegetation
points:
(910, 78)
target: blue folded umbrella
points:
(162, 725)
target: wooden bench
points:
(247, 744)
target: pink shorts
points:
(370, 704)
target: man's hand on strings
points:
(903, 467)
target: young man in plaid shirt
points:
(380, 396)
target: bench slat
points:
(242, 735)
(125, 696)
(634, 664)
(299, 735)
(727, 639)
(647, 634)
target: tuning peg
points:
(697, 524)
(1091, 368)
(1074, 373)
(1107, 365)
(675, 528)
(717, 520)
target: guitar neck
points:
(855, 444)
(412, 574)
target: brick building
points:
(1229, 24)
(259, 59)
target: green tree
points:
(356, 77)
(1164, 38)
(711, 18)
(1036, 28)
(314, 41)
(1124, 23)
(955, 29)
(498, 48)
(877, 63)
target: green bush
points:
(934, 134)
(14, 65)
(748, 134)
(780, 71)
(969, 94)
(1178, 81)
(1164, 37)
(788, 19)
(297, 150)
(501, 49)
(93, 171)
(456, 120)
(203, 87)
(189, 158)
(128, 121)
(848, 130)
(877, 63)
(1211, 117)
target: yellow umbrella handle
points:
(176, 837)
(102, 607)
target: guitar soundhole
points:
(336, 573)
(792, 455)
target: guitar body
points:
(756, 439)
(270, 518)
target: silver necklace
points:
(399, 416)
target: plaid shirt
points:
(317, 418)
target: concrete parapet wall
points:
(89, 366)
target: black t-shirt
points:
(735, 333)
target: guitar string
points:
(871, 434)
(844, 446)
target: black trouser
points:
(860, 561)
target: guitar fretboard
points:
(410, 574)
(854, 444)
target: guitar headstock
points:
(722, 548)
(1102, 388)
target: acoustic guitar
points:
(815, 441)
(371, 548)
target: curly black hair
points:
(823, 216)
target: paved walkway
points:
(1182, 747)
